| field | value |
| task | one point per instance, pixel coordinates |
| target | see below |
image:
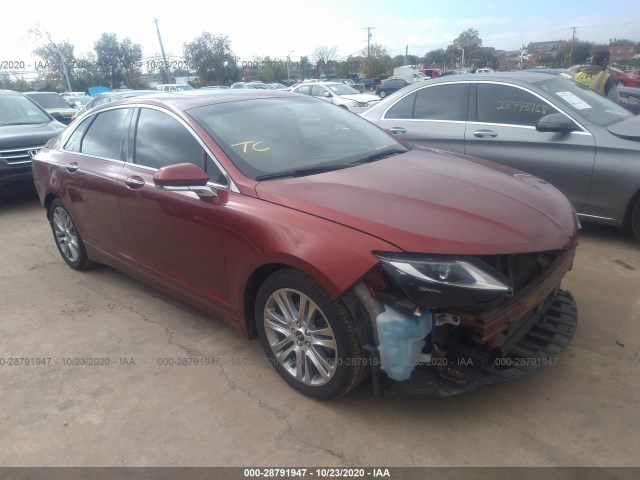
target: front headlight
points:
(442, 280)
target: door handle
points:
(397, 130)
(71, 167)
(134, 182)
(485, 134)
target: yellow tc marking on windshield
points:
(254, 146)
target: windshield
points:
(49, 100)
(292, 136)
(584, 101)
(181, 88)
(19, 110)
(341, 89)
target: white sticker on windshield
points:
(573, 100)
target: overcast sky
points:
(275, 28)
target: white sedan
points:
(339, 94)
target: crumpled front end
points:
(443, 325)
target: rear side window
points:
(162, 140)
(509, 105)
(441, 102)
(104, 136)
(404, 108)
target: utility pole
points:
(573, 40)
(163, 72)
(368, 29)
(406, 54)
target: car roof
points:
(42, 93)
(520, 75)
(181, 102)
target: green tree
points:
(581, 51)
(87, 73)
(400, 60)
(57, 56)
(324, 58)
(469, 42)
(212, 58)
(379, 64)
(118, 63)
(304, 68)
(435, 58)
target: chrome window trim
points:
(67, 133)
(598, 217)
(422, 120)
(490, 82)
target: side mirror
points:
(327, 94)
(184, 177)
(556, 122)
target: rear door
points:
(174, 236)
(92, 163)
(501, 128)
(432, 116)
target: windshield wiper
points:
(301, 172)
(379, 156)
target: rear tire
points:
(635, 219)
(383, 94)
(67, 237)
(308, 336)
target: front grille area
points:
(522, 268)
(532, 297)
(19, 155)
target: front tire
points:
(67, 237)
(309, 336)
(635, 219)
(383, 94)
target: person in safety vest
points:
(597, 79)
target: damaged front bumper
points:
(544, 337)
(447, 351)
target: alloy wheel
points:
(66, 235)
(300, 337)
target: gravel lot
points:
(236, 411)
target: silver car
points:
(546, 125)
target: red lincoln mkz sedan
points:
(344, 251)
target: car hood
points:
(628, 129)
(361, 97)
(436, 202)
(28, 135)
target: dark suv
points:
(24, 129)
(391, 85)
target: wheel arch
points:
(629, 210)
(261, 273)
(48, 200)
